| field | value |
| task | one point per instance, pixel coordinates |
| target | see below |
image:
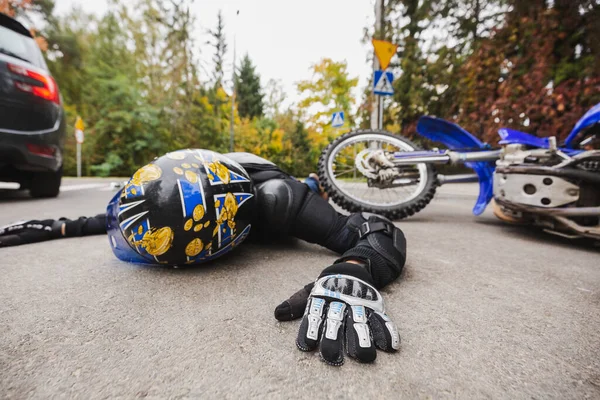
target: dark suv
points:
(32, 120)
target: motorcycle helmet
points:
(186, 207)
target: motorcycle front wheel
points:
(356, 182)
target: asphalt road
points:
(485, 310)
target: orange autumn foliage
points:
(11, 8)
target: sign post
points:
(79, 127)
(382, 80)
(382, 86)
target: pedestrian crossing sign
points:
(337, 119)
(382, 83)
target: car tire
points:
(46, 184)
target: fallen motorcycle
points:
(531, 179)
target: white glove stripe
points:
(359, 315)
(336, 311)
(333, 328)
(394, 334)
(335, 315)
(316, 306)
(315, 318)
(364, 335)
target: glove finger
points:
(10, 240)
(311, 325)
(33, 236)
(293, 307)
(384, 332)
(13, 229)
(358, 336)
(332, 343)
(25, 237)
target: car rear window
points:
(20, 46)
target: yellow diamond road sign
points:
(384, 52)
(79, 124)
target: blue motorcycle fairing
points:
(589, 118)
(456, 138)
(510, 136)
(452, 135)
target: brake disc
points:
(363, 164)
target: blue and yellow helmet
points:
(186, 207)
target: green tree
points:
(68, 39)
(220, 50)
(537, 73)
(127, 129)
(329, 90)
(434, 38)
(303, 155)
(248, 91)
(215, 94)
(274, 98)
(131, 75)
(410, 86)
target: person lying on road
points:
(191, 206)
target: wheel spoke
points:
(351, 181)
(345, 171)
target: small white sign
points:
(79, 136)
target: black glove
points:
(31, 231)
(347, 313)
(293, 308)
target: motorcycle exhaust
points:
(445, 157)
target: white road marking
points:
(67, 188)
(109, 188)
(83, 186)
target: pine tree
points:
(220, 46)
(247, 86)
(216, 93)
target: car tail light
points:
(48, 91)
(41, 150)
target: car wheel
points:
(46, 184)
